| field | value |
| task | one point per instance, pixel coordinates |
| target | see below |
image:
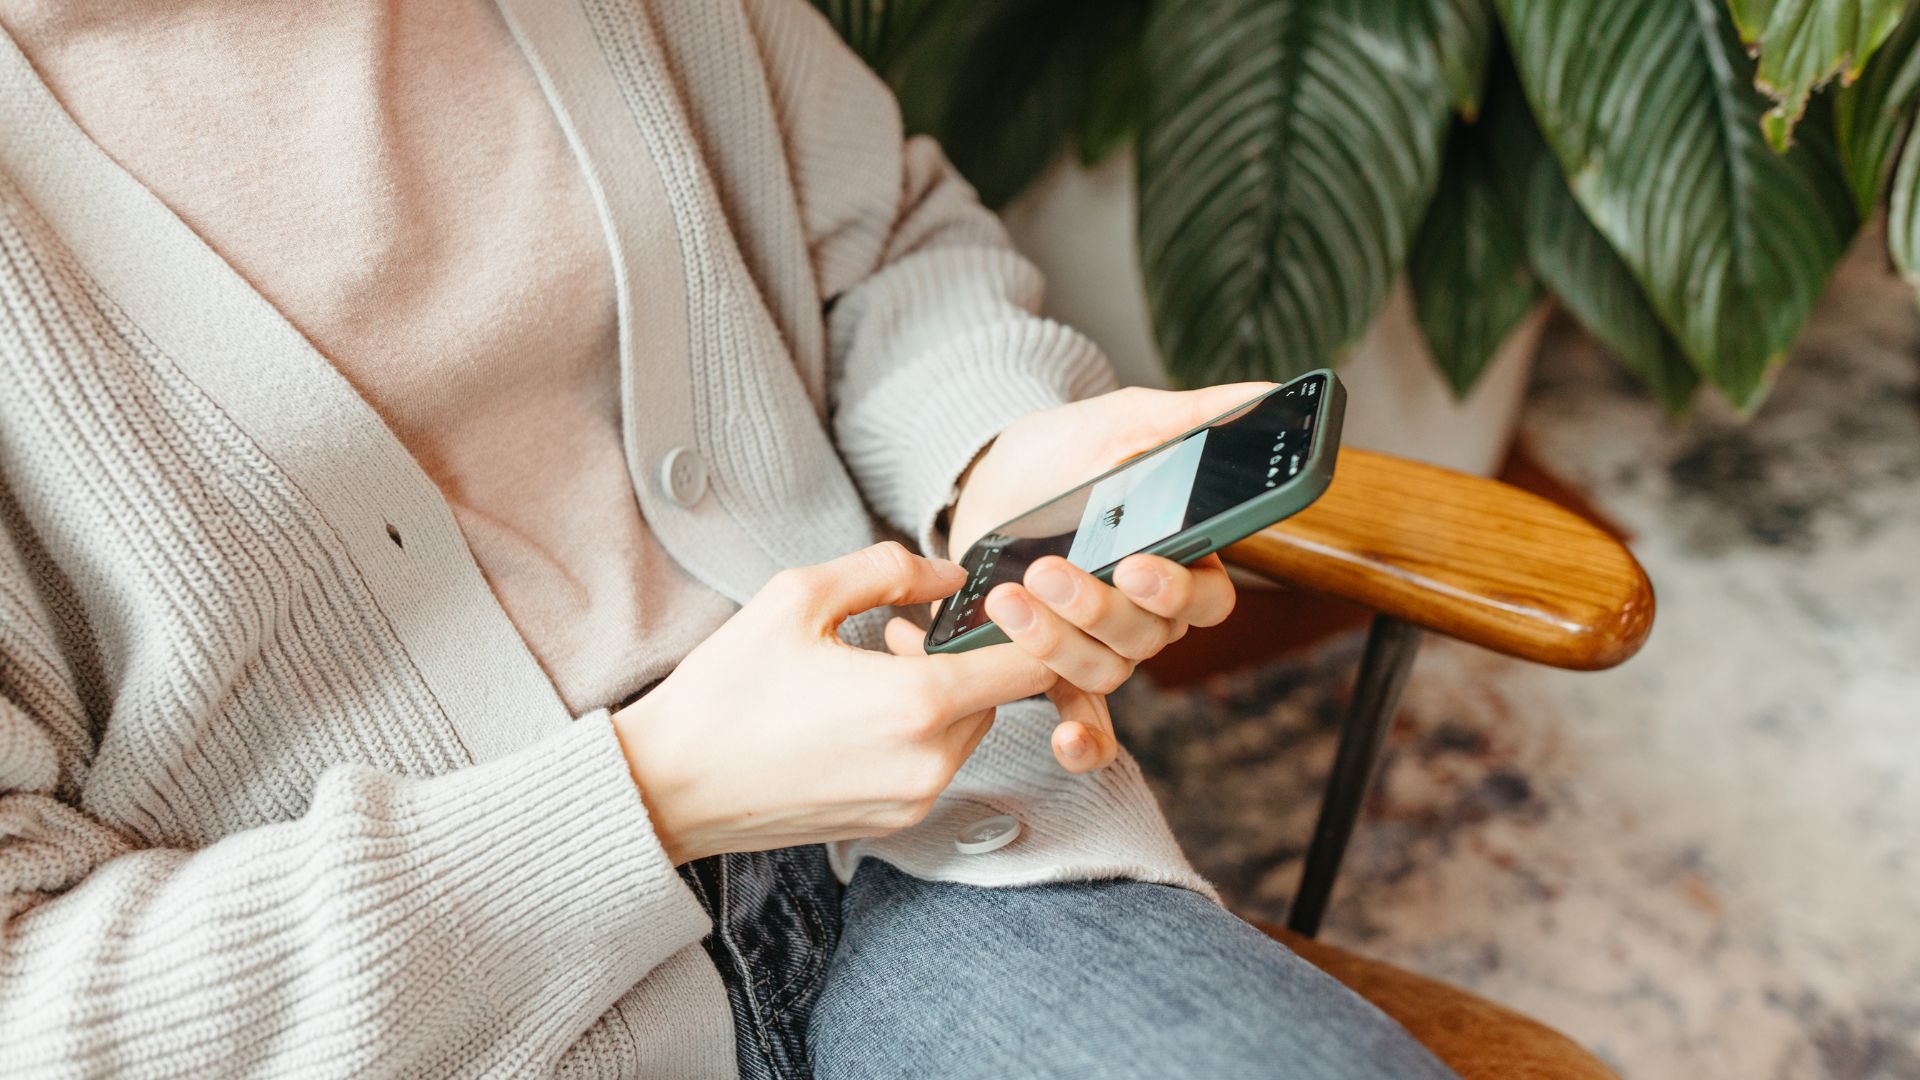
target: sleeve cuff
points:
(547, 860)
(920, 428)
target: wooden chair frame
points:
(1430, 549)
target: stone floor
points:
(1705, 863)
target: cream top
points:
(390, 177)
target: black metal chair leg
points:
(1391, 647)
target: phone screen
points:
(1251, 450)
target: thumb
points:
(884, 574)
(1138, 419)
(1191, 408)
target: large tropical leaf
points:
(1025, 83)
(1869, 116)
(923, 69)
(1649, 106)
(1468, 266)
(875, 28)
(1288, 150)
(1804, 43)
(1903, 217)
(1750, 18)
(1569, 255)
(1116, 89)
(1463, 30)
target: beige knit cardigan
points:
(281, 789)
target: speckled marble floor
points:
(1705, 863)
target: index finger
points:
(986, 677)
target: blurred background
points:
(1653, 259)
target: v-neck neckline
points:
(294, 404)
(56, 115)
(291, 402)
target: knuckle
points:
(1149, 642)
(1109, 677)
(1216, 615)
(1042, 642)
(1092, 607)
(891, 559)
(925, 776)
(906, 813)
(924, 708)
(917, 725)
(790, 586)
(1178, 591)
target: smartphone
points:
(1184, 499)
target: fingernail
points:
(1052, 584)
(1013, 613)
(1076, 746)
(1139, 579)
(948, 568)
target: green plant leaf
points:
(1869, 115)
(1115, 91)
(1024, 83)
(1903, 212)
(1569, 255)
(1750, 18)
(1289, 149)
(1468, 266)
(1805, 43)
(1463, 31)
(1649, 106)
(923, 69)
(875, 28)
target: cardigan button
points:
(683, 475)
(987, 834)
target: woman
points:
(413, 416)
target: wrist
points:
(650, 764)
(952, 516)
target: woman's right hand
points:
(774, 733)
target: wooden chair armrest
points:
(1473, 1036)
(1468, 557)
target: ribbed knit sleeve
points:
(934, 341)
(934, 347)
(938, 353)
(475, 921)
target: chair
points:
(1427, 549)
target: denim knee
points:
(1109, 979)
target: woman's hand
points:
(774, 733)
(1090, 633)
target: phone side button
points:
(1190, 549)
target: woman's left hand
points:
(1088, 632)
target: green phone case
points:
(1229, 527)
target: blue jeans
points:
(901, 977)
